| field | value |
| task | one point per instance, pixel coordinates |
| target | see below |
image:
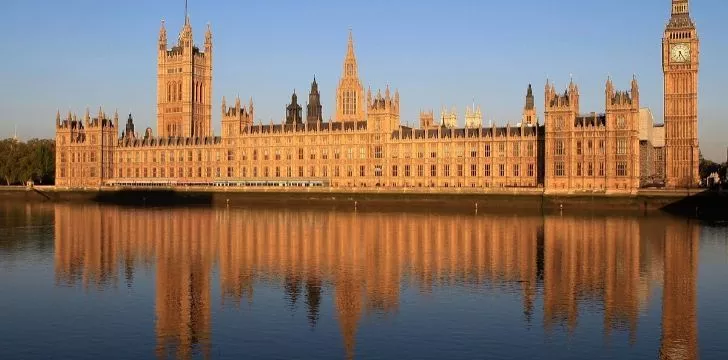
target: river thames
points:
(91, 282)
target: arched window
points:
(169, 91)
(173, 91)
(202, 93)
(179, 90)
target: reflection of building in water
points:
(679, 305)
(598, 265)
(92, 243)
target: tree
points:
(34, 160)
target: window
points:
(325, 172)
(530, 149)
(501, 149)
(486, 170)
(486, 150)
(460, 170)
(300, 154)
(362, 170)
(394, 170)
(420, 170)
(312, 154)
(407, 170)
(559, 147)
(530, 170)
(516, 149)
(621, 122)
(473, 152)
(378, 170)
(578, 169)
(601, 147)
(350, 171)
(559, 169)
(230, 156)
(446, 170)
(255, 155)
(578, 148)
(300, 171)
(601, 169)
(501, 170)
(244, 172)
(433, 170)
(433, 154)
(621, 168)
(378, 152)
(336, 171)
(590, 169)
(621, 146)
(362, 153)
(516, 170)
(473, 170)
(229, 171)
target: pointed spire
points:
(187, 15)
(58, 116)
(224, 106)
(162, 34)
(208, 35)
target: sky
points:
(87, 53)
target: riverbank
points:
(687, 203)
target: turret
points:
(162, 38)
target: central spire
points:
(349, 93)
(187, 15)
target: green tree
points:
(20, 162)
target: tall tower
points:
(313, 109)
(529, 110)
(350, 92)
(680, 60)
(184, 85)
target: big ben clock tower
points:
(680, 55)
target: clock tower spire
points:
(680, 62)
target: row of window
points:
(620, 147)
(313, 171)
(350, 153)
(589, 169)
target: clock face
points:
(680, 53)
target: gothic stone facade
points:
(367, 146)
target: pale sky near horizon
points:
(74, 54)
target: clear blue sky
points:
(78, 53)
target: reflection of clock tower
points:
(680, 54)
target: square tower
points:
(184, 85)
(680, 60)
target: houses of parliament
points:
(365, 145)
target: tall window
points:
(559, 148)
(486, 151)
(559, 169)
(621, 146)
(578, 148)
(621, 168)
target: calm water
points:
(92, 282)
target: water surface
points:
(90, 282)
